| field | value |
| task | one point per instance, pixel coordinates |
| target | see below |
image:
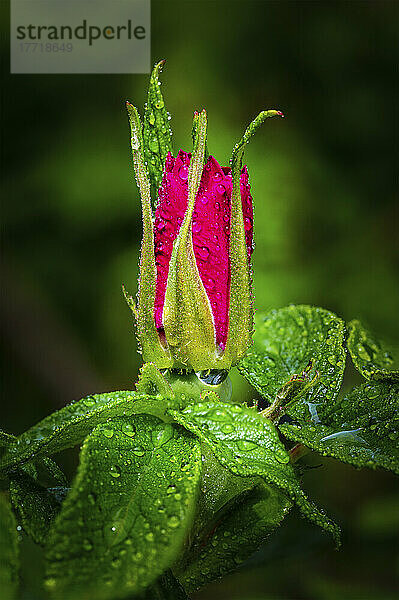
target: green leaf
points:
(127, 515)
(238, 533)
(362, 429)
(9, 553)
(370, 357)
(248, 445)
(34, 502)
(166, 588)
(70, 425)
(35, 506)
(157, 133)
(285, 341)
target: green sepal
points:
(370, 356)
(128, 513)
(187, 314)
(157, 133)
(194, 134)
(130, 301)
(9, 551)
(241, 310)
(152, 382)
(151, 347)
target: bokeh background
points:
(325, 192)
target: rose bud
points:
(195, 304)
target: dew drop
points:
(209, 282)
(138, 451)
(212, 376)
(87, 545)
(196, 227)
(135, 142)
(203, 253)
(160, 225)
(129, 429)
(220, 189)
(227, 428)
(247, 224)
(137, 556)
(162, 434)
(281, 456)
(345, 437)
(246, 445)
(173, 521)
(183, 173)
(108, 433)
(115, 471)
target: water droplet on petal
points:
(209, 283)
(196, 227)
(247, 224)
(220, 189)
(108, 433)
(204, 253)
(183, 173)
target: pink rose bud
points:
(195, 304)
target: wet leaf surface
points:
(362, 429)
(370, 356)
(157, 134)
(285, 341)
(237, 534)
(248, 445)
(127, 515)
(9, 554)
(70, 425)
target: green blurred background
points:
(324, 187)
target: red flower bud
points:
(210, 232)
